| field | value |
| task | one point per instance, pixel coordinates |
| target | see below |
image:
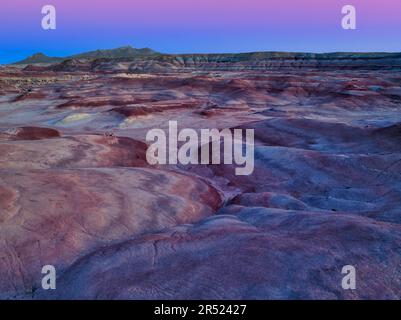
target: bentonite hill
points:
(77, 192)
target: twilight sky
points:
(192, 26)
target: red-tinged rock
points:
(55, 216)
(83, 151)
(244, 253)
(29, 133)
(76, 190)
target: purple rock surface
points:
(77, 192)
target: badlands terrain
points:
(77, 192)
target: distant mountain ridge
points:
(145, 60)
(39, 58)
(121, 52)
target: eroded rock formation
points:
(77, 192)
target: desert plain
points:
(77, 192)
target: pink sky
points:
(199, 26)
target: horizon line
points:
(200, 53)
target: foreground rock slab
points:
(55, 216)
(245, 253)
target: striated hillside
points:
(259, 61)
